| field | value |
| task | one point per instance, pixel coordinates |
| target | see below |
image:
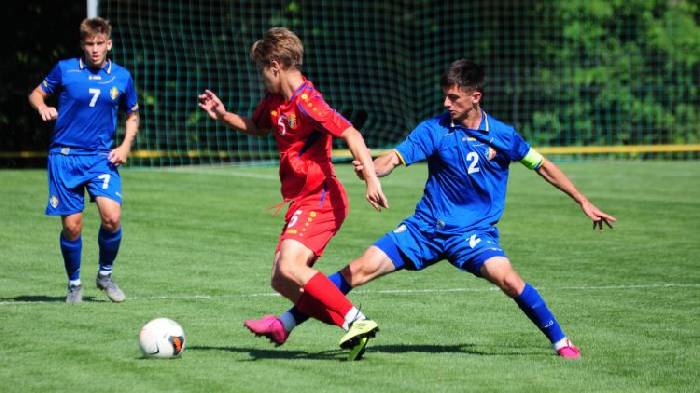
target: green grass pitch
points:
(198, 245)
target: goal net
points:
(578, 76)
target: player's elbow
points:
(352, 137)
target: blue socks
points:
(536, 309)
(338, 280)
(72, 251)
(109, 246)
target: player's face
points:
(460, 103)
(95, 49)
(271, 78)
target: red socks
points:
(324, 301)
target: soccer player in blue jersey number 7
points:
(468, 154)
(91, 90)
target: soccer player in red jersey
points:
(303, 125)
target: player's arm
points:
(37, 99)
(131, 128)
(360, 153)
(556, 177)
(209, 102)
(383, 165)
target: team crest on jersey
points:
(490, 153)
(292, 121)
(53, 201)
(114, 93)
(304, 96)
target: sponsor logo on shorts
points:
(53, 201)
(400, 229)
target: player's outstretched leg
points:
(499, 271)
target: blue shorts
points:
(413, 245)
(70, 174)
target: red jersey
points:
(304, 127)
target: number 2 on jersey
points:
(473, 158)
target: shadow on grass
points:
(466, 348)
(260, 354)
(46, 299)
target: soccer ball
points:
(162, 338)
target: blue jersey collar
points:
(107, 67)
(484, 126)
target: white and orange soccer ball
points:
(162, 338)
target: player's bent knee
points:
(72, 227)
(111, 222)
(72, 233)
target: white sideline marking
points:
(227, 173)
(391, 291)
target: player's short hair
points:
(279, 44)
(90, 27)
(466, 74)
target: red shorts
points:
(315, 218)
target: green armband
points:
(532, 159)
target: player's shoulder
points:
(72, 63)
(308, 95)
(439, 124)
(497, 126)
(117, 69)
(311, 102)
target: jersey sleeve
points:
(261, 114)
(511, 144)
(418, 146)
(52, 82)
(129, 100)
(315, 109)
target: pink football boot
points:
(568, 351)
(269, 326)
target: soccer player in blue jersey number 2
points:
(91, 89)
(468, 154)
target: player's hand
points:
(375, 196)
(118, 156)
(598, 216)
(48, 113)
(358, 168)
(212, 105)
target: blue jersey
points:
(467, 170)
(88, 102)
